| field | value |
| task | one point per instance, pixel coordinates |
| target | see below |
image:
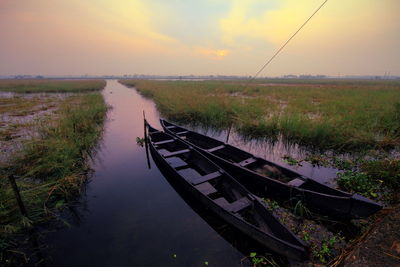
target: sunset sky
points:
(199, 37)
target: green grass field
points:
(49, 86)
(325, 114)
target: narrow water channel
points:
(130, 215)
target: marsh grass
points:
(51, 169)
(50, 85)
(335, 115)
(16, 105)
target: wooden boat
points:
(237, 239)
(265, 178)
(222, 194)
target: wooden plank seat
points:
(164, 142)
(175, 153)
(235, 206)
(221, 202)
(181, 167)
(155, 131)
(206, 188)
(177, 163)
(248, 161)
(183, 132)
(216, 148)
(296, 182)
(206, 178)
(239, 204)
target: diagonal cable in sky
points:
(283, 46)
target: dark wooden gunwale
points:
(297, 251)
(336, 203)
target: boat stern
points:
(363, 207)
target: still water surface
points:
(132, 216)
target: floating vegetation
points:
(140, 141)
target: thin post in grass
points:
(229, 133)
(17, 195)
(233, 117)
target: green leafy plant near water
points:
(259, 260)
(374, 177)
(51, 168)
(291, 161)
(358, 182)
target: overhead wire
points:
(284, 45)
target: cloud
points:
(272, 24)
(276, 23)
(202, 36)
(133, 18)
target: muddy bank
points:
(20, 117)
(381, 246)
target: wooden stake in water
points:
(144, 128)
(17, 195)
(32, 232)
(145, 140)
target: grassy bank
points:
(50, 86)
(336, 115)
(50, 170)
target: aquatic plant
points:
(358, 182)
(373, 178)
(260, 260)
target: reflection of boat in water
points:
(222, 194)
(266, 179)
